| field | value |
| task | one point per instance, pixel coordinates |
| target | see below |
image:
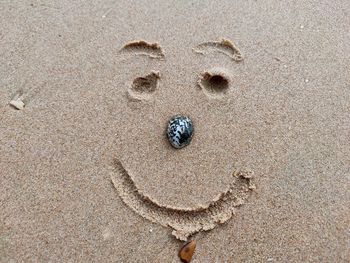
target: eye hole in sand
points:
(215, 82)
(143, 87)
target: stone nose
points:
(180, 131)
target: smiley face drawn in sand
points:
(190, 189)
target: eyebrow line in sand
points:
(224, 46)
(141, 47)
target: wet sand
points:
(87, 89)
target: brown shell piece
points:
(187, 250)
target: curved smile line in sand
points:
(183, 222)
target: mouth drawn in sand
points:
(194, 188)
(183, 222)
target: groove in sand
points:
(183, 223)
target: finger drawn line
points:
(183, 223)
(224, 46)
(141, 47)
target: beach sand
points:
(87, 173)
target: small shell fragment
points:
(187, 250)
(179, 131)
(17, 104)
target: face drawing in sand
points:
(196, 187)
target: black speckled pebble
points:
(180, 131)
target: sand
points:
(87, 173)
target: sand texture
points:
(184, 222)
(87, 173)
